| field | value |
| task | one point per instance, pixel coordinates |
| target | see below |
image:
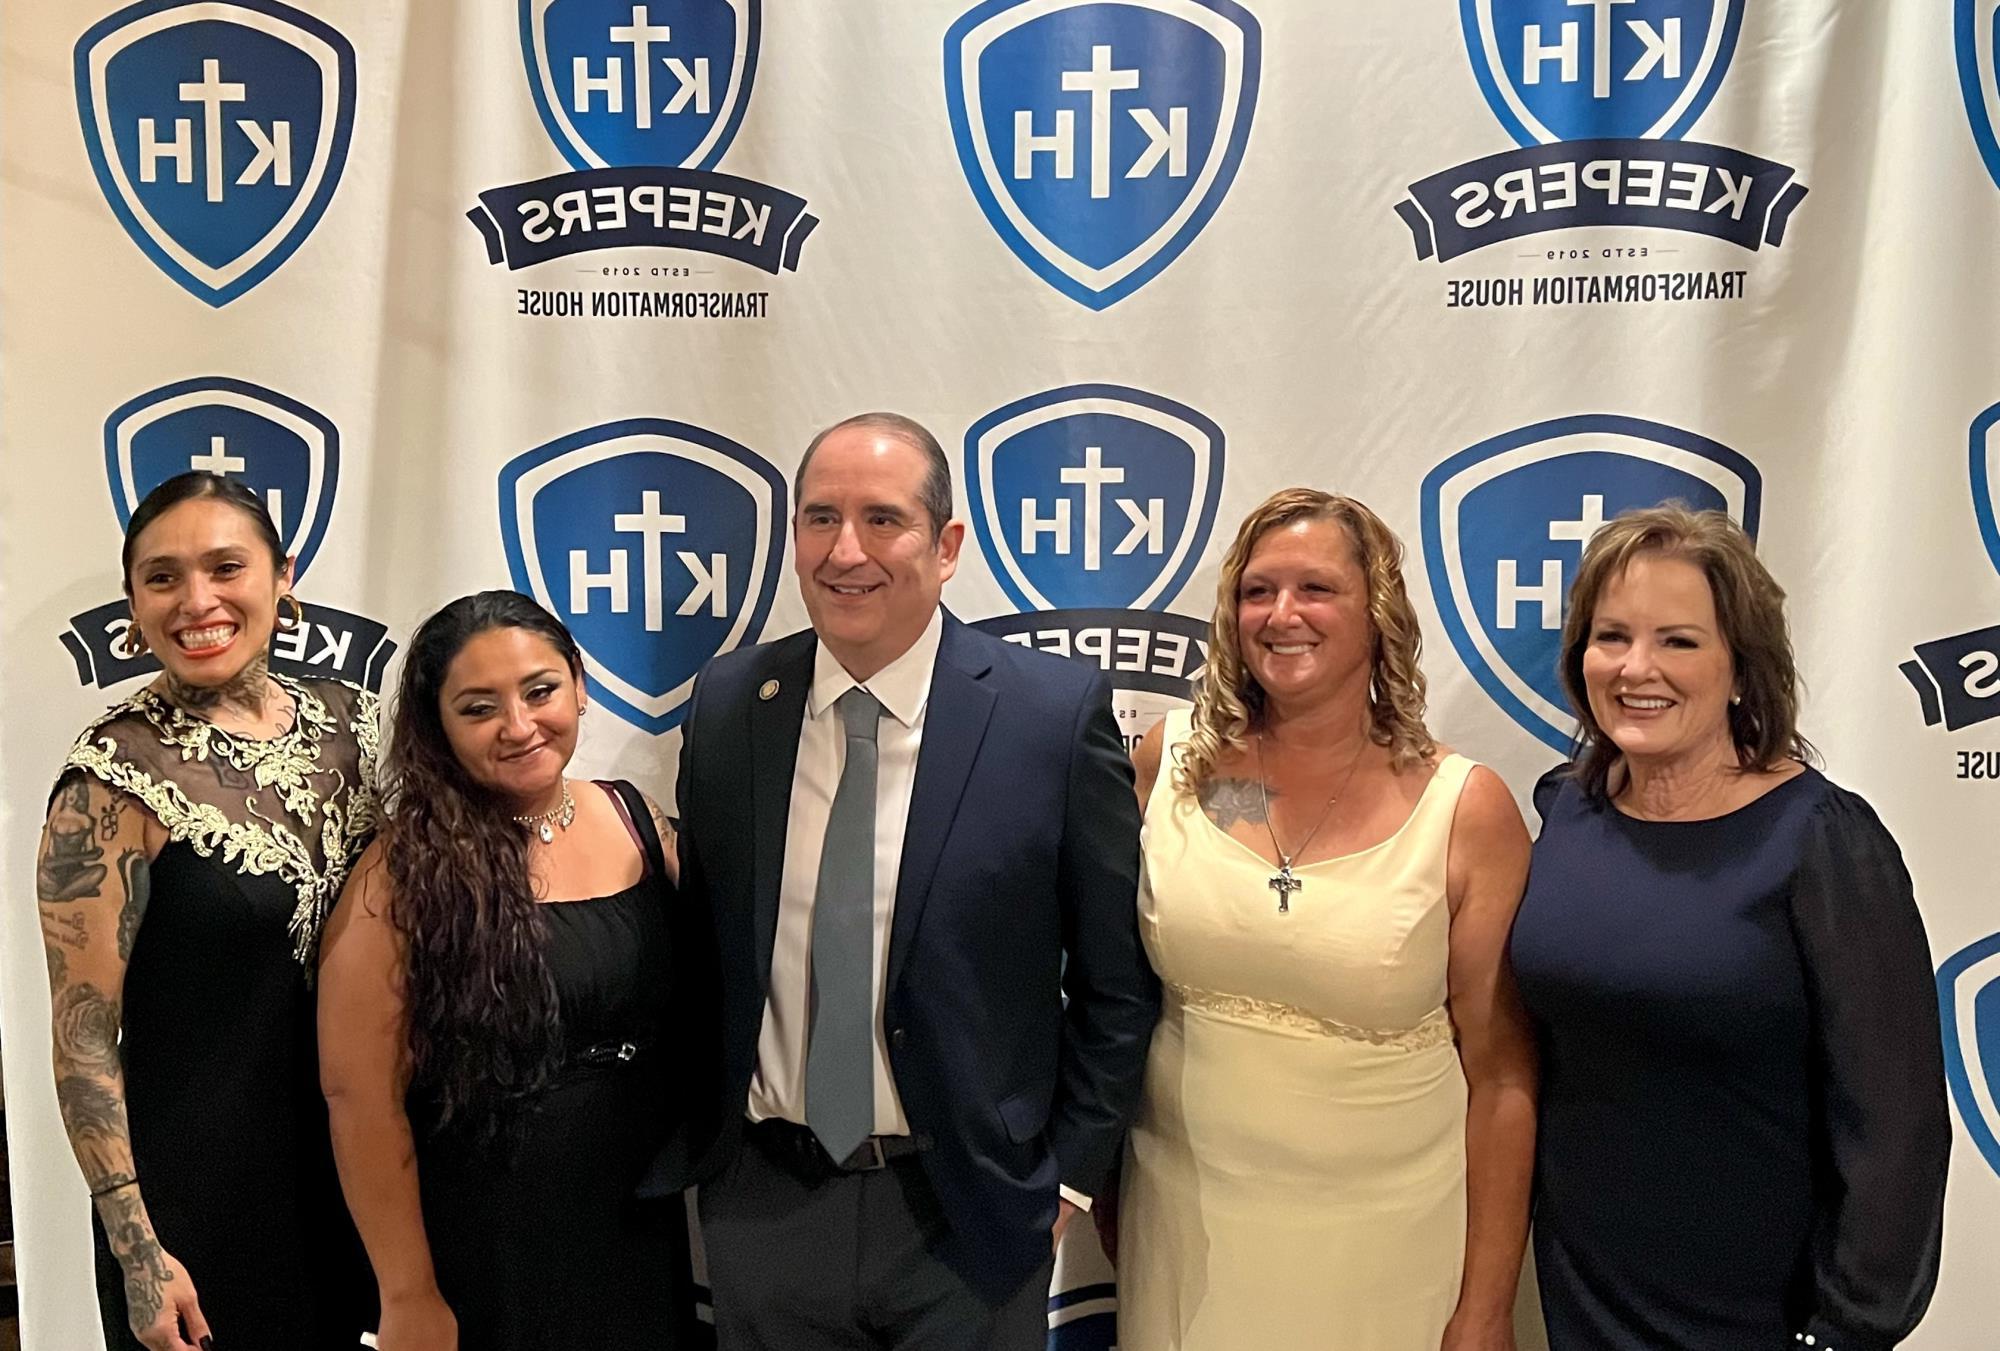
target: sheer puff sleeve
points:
(1881, 1127)
(1549, 787)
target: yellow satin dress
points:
(1295, 1176)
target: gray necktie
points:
(840, 1058)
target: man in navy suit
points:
(919, 849)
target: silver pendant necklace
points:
(545, 823)
(1285, 881)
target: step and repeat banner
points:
(552, 294)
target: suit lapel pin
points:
(768, 690)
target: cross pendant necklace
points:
(1285, 881)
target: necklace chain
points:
(561, 814)
(1284, 881)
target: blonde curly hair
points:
(1229, 703)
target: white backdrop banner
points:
(552, 293)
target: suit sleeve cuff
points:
(1075, 1198)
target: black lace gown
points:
(544, 1248)
(218, 1038)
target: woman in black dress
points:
(495, 1013)
(1743, 1126)
(197, 835)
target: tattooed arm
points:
(668, 840)
(92, 879)
(364, 1073)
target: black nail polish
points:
(208, 1344)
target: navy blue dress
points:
(1743, 1126)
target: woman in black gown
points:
(495, 1013)
(197, 835)
(1743, 1126)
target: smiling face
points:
(509, 704)
(204, 591)
(1657, 670)
(869, 568)
(1302, 614)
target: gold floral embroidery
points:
(289, 765)
(361, 820)
(1434, 1030)
(283, 762)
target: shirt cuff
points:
(1075, 1198)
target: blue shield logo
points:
(1986, 479)
(1093, 496)
(1573, 70)
(658, 82)
(657, 542)
(1084, 1317)
(1978, 32)
(1969, 1006)
(218, 130)
(1100, 135)
(1505, 523)
(286, 453)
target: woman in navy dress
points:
(1743, 1130)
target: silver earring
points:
(1735, 699)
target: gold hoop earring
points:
(131, 645)
(298, 613)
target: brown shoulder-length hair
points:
(1229, 703)
(1749, 608)
(484, 1028)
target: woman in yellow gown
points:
(1335, 1141)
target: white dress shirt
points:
(903, 688)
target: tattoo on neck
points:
(1228, 801)
(249, 690)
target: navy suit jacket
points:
(1017, 888)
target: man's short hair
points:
(935, 491)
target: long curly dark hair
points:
(484, 1038)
